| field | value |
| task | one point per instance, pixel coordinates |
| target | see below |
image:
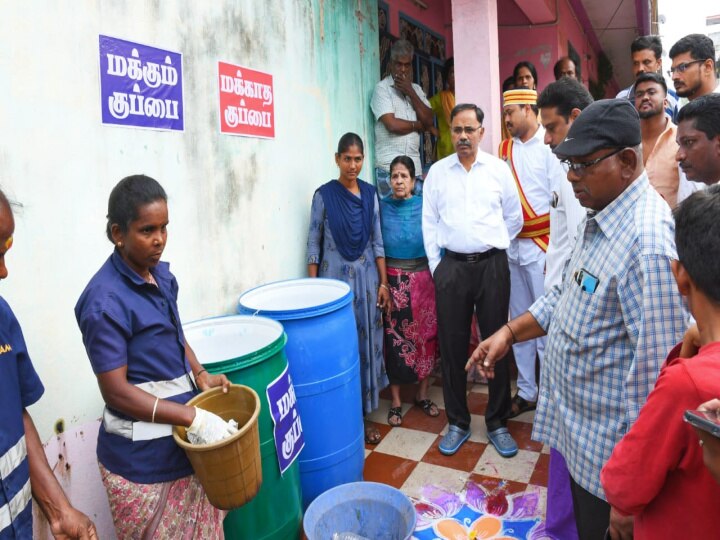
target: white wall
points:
(238, 207)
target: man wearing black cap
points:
(612, 319)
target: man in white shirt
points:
(402, 112)
(560, 103)
(532, 165)
(471, 210)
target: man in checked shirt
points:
(614, 317)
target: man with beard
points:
(646, 54)
(533, 167)
(698, 137)
(658, 135)
(471, 210)
(693, 67)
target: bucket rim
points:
(309, 518)
(299, 313)
(250, 358)
(185, 445)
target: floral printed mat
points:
(476, 513)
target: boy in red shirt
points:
(656, 472)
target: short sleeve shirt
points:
(127, 322)
(387, 100)
(20, 387)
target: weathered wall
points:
(239, 207)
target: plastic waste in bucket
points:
(250, 351)
(229, 470)
(322, 352)
(365, 509)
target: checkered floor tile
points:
(408, 458)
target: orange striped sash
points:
(536, 227)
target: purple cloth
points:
(560, 518)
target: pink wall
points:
(541, 44)
(437, 17)
(477, 81)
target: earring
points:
(120, 244)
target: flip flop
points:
(519, 405)
(427, 407)
(395, 412)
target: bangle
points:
(384, 285)
(152, 420)
(200, 373)
(413, 126)
(514, 339)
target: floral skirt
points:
(178, 509)
(411, 345)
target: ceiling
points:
(616, 24)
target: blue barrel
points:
(322, 351)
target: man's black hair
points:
(705, 110)
(565, 94)
(697, 237)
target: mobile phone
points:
(706, 420)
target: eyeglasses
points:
(580, 168)
(467, 130)
(682, 68)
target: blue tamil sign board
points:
(289, 440)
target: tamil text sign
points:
(246, 101)
(140, 86)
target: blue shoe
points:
(453, 440)
(503, 442)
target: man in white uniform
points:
(533, 167)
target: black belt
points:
(473, 257)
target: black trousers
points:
(459, 287)
(592, 514)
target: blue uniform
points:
(128, 322)
(20, 387)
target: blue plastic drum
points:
(322, 351)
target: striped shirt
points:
(605, 348)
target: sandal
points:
(519, 405)
(372, 435)
(428, 407)
(395, 416)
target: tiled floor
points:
(407, 457)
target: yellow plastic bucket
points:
(230, 470)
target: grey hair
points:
(401, 48)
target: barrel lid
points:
(296, 298)
(234, 338)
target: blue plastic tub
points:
(324, 362)
(368, 509)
